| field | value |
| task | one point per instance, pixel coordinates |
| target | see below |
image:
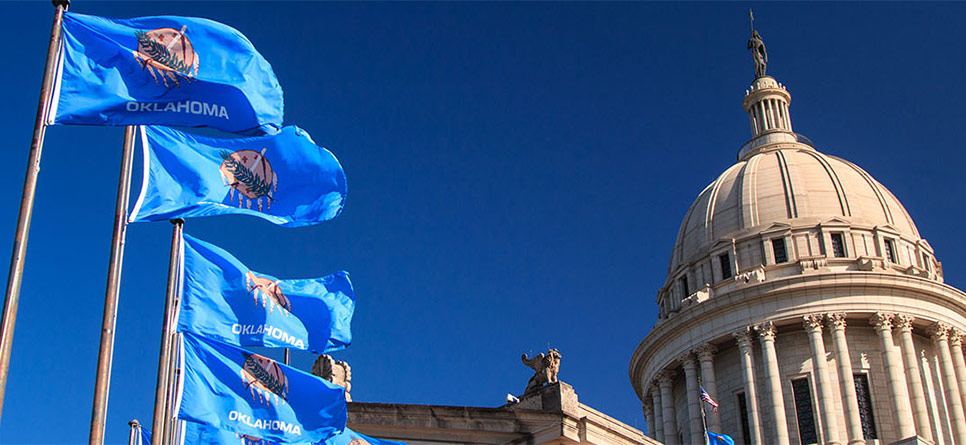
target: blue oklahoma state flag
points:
(284, 178)
(180, 71)
(225, 300)
(197, 434)
(232, 389)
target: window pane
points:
(684, 287)
(890, 250)
(743, 411)
(865, 406)
(778, 244)
(803, 411)
(838, 245)
(725, 266)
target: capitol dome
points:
(802, 300)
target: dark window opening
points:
(778, 245)
(838, 245)
(743, 411)
(865, 406)
(804, 412)
(725, 266)
(685, 291)
(925, 262)
(890, 250)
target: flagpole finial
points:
(134, 423)
(64, 3)
(757, 47)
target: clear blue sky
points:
(517, 174)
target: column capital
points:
(812, 323)
(955, 338)
(882, 320)
(766, 331)
(688, 361)
(743, 337)
(665, 378)
(903, 322)
(648, 410)
(835, 321)
(705, 352)
(939, 331)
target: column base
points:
(914, 440)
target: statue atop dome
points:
(757, 47)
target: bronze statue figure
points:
(757, 47)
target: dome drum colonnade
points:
(809, 257)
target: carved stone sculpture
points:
(337, 372)
(545, 368)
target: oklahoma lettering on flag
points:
(196, 433)
(169, 70)
(225, 300)
(284, 178)
(232, 389)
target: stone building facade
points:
(802, 298)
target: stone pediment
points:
(835, 222)
(722, 243)
(776, 227)
(887, 228)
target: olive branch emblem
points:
(244, 175)
(160, 53)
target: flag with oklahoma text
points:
(181, 71)
(285, 178)
(196, 433)
(225, 300)
(232, 389)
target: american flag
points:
(707, 398)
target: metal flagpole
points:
(106, 354)
(164, 357)
(286, 357)
(135, 426)
(15, 274)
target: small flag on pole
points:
(285, 179)
(181, 71)
(232, 389)
(707, 398)
(225, 300)
(719, 439)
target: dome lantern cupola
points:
(766, 102)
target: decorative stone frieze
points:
(870, 264)
(753, 276)
(813, 264)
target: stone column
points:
(743, 337)
(823, 384)
(705, 355)
(853, 422)
(766, 334)
(940, 335)
(959, 364)
(658, 427)
(920, 411)
(894, 375)
(648, 418)
(665, 379)
(694, 398)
